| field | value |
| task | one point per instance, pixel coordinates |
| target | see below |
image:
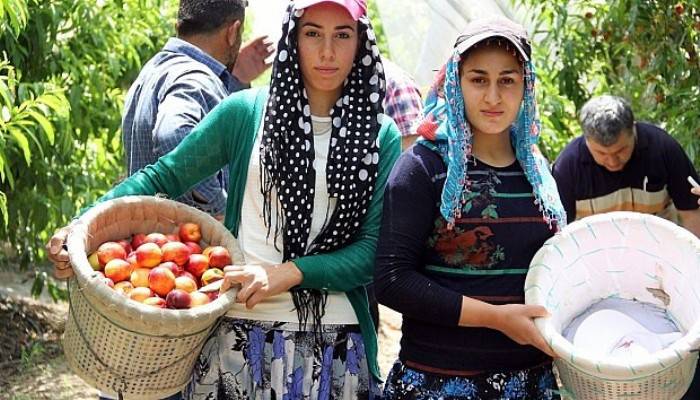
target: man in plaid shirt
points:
(184, 82)
(402, 102)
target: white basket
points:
(122, 347)
(619, 254)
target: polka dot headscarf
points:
(287, 146)
(287, 155)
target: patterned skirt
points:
(531, 384)
(260, 360)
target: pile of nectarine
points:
(162, 270)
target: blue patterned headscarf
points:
(445, 125)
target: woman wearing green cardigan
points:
(308, 161)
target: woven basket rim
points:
(581, 384)
(616, 379)
(609, 368)
(91, 283)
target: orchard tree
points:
(643, 50)
(64, 70)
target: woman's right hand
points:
(58, 255)
(517, 322)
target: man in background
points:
(622, 165)
(402, 101)
(186, 80)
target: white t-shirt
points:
(258, 249)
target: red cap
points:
(356, 8)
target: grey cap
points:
(481, 29)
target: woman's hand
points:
(261, 281)
(516, 322)
(57, 254)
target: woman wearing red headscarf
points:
(308, 160)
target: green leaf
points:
(23, 144)
(58, 103)
(45, 125)
(8, 175)
(38, 285)
(3, 209)
(2, 162)
(28, 128)
(5, 93)
(56, 292)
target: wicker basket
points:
(122, 347)
(627, 255)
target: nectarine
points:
(178, 299)
(194, 247)
(94, 262)
(118, 270)
(197, 264)
(219, 257)
(140, 294)
(198, 299)
(174, 268)
(157, 238)
(185, 283)
(108, 251)
(126, 245)
(139, 277)
(155, 302)
(123, 288)
(190, 232)
(148, 255)
(177, 252)
(137, 240)
(161, 280)
(212, 275)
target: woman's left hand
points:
(261, 281)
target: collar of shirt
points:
(177, 45)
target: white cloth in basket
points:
(625, 329)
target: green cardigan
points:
(226, 136)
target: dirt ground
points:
(40, 372)
(32, 365)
